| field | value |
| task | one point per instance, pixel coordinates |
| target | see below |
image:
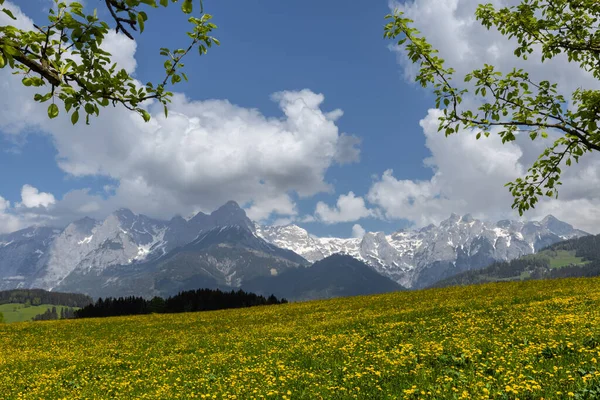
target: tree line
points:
(187, 301)
(52, 314)
(587, 247)
(36, 297)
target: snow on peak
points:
(404, 255)
(86, 240)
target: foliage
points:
(52, 314)
(187, 301)
(515, 103)
(66, 61)
(526, 340)
(1, 318)
(38, 296)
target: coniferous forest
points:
(36, 297)
(188, 301)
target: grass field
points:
(20, 312)
(562, 258)
(508, 340)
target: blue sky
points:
(334, 48)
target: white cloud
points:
(22, 21)
(469, 177)
(8, 221)
(203, 154)
(280, 204)
(31, 197)
(450, 26)
(348, 208)
(121, 49)
(358, 231)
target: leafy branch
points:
(67, 56)
(513, 103)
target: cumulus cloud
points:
(469, 175)
(11, 221)
(203, 154)
(348, 208)
(121, 49)
(8, 221)
(31, 197)
(450, 26)
(358, 231)
(22, 21)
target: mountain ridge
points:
(96, 254)
(416, 257)
(576, 257)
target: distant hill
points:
(571, 258)
(335, 276)
(36, 297)
(20, 305)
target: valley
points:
(533, 339)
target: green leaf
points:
(75, 117)
(2, 62)
(145, 115)
(164, 3)
(7, 12)
(186, 7)
(166, 111)
(52, 111)
(140, 20)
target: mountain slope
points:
(418, 258)
(223, 258)
(45, 257)
(335, 276)
(24, 256)
(571, 258)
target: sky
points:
(304, 114)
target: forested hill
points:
(572, 258)
(38, 296)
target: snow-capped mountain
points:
(222, 257)
(45, 257)
(418, 258)
(131, 253)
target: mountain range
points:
(131, 254)
(418, 258)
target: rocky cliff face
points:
(45, 257)
(418, 258)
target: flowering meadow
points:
(511, 340)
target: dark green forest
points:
(188, 301)
(36, 297)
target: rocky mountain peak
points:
(417, 258)
(452, 220)
(467, 218)
(124, 213)
(231, 214)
